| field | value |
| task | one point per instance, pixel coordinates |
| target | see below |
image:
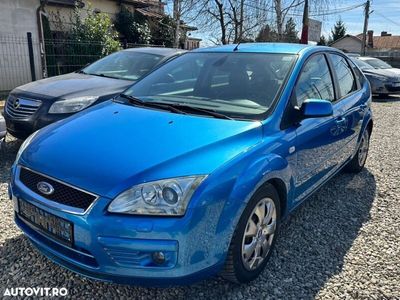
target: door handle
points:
(340, 120)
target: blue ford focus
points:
(190, 171)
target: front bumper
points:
(379, 87)
(23, 126)
(119, 248)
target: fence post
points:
(31, 58)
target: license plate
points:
(47, 223)
(396, 84)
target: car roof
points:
(157, 51)
(285, 48)
(353, 55)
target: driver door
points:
(315, 142)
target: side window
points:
(315, 81)
(346, 80)
(359, 76)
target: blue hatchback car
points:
(190, 171)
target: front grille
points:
(63, 194)
(21, 108)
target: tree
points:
(339, 30)
(228, 21)
(322, 41)
(267, 34)
(290, 33)
(95, 27)
(282, 8)
(163, 31)
(132, 26)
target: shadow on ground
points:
(310, 250)
(388, 98)
(8, 151)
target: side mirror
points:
(316, 108)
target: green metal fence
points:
(65, 56)
(23, 60)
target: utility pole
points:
(241, 20)
(304, 31)
(177, 18)
(366, 17)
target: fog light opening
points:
(158, 257)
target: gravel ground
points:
(343, 243)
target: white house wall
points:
(17, 17)
(348, 44)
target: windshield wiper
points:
(202, 111)
(164, 106)
(177, 108)
(99, 74)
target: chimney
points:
(370, 38)
(384, 33)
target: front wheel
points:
(358, 161)
(254, 237)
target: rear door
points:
(349, 108)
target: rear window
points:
(359, 75)
(347, 82)
(128, 65)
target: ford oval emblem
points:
(45, 188)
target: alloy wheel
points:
(363, 150)
(259, 234)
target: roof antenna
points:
(236, 47)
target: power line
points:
(312, 13)
(387, 18)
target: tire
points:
(237, 266)
(358, 161)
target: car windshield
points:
(361, 64)
(128, 65)
(237, 85)
(377, 63)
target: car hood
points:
(390, 73)
(112, 146)
(393, 70)
(76, 84)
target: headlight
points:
(24, 145)
(72, 105)
(168, 197)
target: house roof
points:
(380, 42)
(354, 37)
(387, 42)
(137, 3)
(62, 2)
(142, 3)
(150, 14)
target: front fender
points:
(258, 172)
